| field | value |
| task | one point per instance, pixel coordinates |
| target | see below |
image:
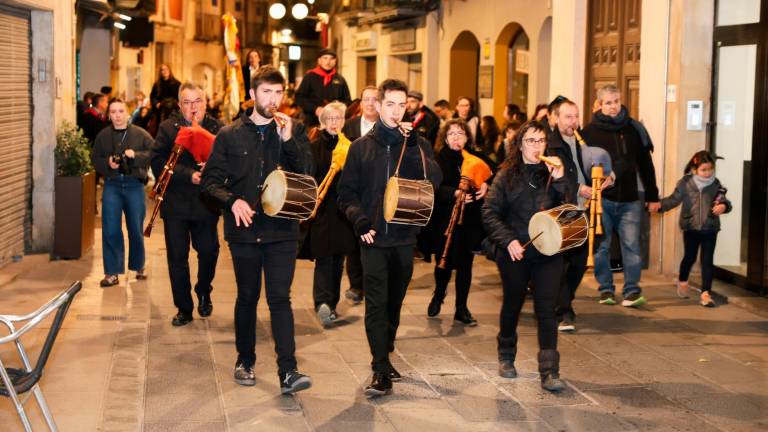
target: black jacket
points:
(312, 94)
(115, 142)
(470, 233)
(556, 146)
(164, 89)
(330, 233)
(629, 156)
(371, 161)
(182, 198)
(92, 123)
(513, 200)
(243, 155)
(428, 126)
(696, 213)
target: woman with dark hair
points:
(506, 140)
(165, 92)
(465, 110)
(520, 190)
(251, 64)
(490, 130)
(540, 113)
(454, 136)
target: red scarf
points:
(327, 76)
(92, 111)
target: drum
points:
(289, 195)
(408, 202)
(558, 229)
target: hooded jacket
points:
(696, 213)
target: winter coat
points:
(312, 94)
(696, 212)
(243, 155)
(371, 161)
(111, 141)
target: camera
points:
(122, 161)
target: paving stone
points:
(186, 427)
(181, 407)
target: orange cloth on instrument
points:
(197, 141)
(475, 168)
(339, 155)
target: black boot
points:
(549, 370)
(507, 353)
(434, 305)
(204, 305)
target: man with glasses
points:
(185, 215)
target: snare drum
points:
(408, 202)
(289, 195)
(562, 228)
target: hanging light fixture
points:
(299, 11)
(277, 11)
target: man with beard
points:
(386, 249)
(321, 85)
(424, 120)
(244, 153)
(185, 215)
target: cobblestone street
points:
(119, 364)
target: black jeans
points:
(545, 272)
(459, 258)
(355, 270)
(205, 240)
(691, 242)
(387, 273)
(574, 266)
(278, 260)
(327, 280)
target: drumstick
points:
(528, 243)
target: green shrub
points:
(73, 151)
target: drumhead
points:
(273, 196)
(391, 197)
(551, 239)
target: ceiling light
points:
(119, 25)
(124, 17)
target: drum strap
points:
(400, 160)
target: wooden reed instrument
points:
(595, 211)
(338, 158)
(466, 187)
(158, 192)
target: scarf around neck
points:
(327, 75)
(702, 182)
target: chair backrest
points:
(58, 320)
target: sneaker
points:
(324, 315)
(682, 289)
(394, 375)
(181, 319)
(706, 300)
(507, 369)
(244, 375)
(566, 325)
(606, 298)
(380, 385)
(293, 381)
(551, 382)
(108, 281)
(141, 274)
(634, 300)
(354, 296)
(334, 316)
(465, 317)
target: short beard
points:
(264, 112)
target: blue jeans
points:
(122, 194)
(625, 218)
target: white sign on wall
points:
(365, 41)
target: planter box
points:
(75, 216)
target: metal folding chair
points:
(16, 382)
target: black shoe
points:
(507, 368)
(380, 385)
(181, 319)
(433, 309)
(244, 375)
(394, 375)
(204, 305)
(465, 317)
(108, 281)
(293, 381)
(551, 382)
(141, 274)
(354, 296)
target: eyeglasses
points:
(533, 142)
(188, 103)
(369, 99)
(334, 119)
(456, 134)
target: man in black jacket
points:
(185, 215)
(424, 120)
(320, 86)
(244, 153)
(387, 249)
(635, 185)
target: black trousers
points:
(386, 274)
(459, 258)
(574, 267)
(205, 240)
(278, 262)
(545, 273)
(326, 286)
(692, 240)
(355, 270)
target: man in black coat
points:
(186, 216)
(95, 117)
(320, 86)
(387, 248)
(244, 154)
(424, 120)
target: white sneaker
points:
(324, 315)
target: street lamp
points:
(300, 11)
(277, 11)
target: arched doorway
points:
(544, 55)
(465, 58)
(510, 82)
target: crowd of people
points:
(357, 147)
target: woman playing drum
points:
(521, 189)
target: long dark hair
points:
(514, 160)
(442, 135)
(699, 159)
